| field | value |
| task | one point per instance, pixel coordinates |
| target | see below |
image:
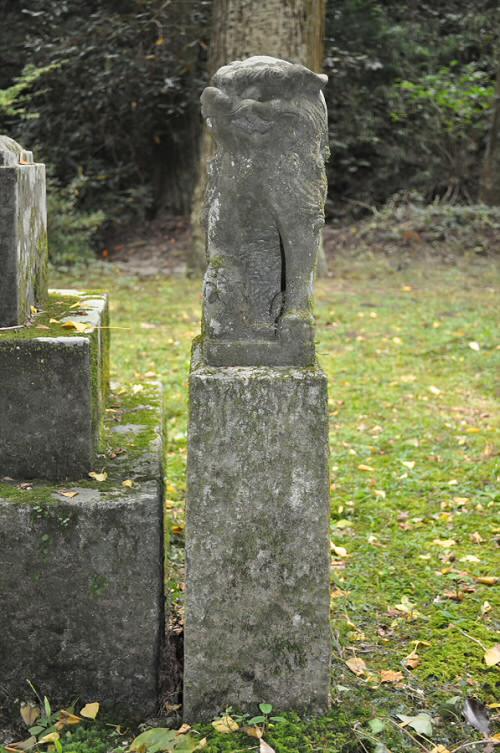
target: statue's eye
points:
(253, 93)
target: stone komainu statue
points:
(265, 210)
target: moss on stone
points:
(129, 455)
(46, 323)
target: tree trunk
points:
(289, 29)
(490, 177)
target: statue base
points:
(257, 541)
(292, 344)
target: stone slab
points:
(23, 234)
(81, 577)
(257, 545)
(54, 377)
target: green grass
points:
(413, 463)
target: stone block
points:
(81, 574)
(23, 234)
(54, 376)
(257, 543)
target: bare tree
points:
(289, 29)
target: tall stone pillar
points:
(257, 601)
(23, 234)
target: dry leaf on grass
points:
(253, 731)
(29, 714)
(357, 665)
(389, 675)
(27, 744)
(265, 748)
(98, 476)
(492, 656)
(225, 725)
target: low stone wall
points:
(81, 572)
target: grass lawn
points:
(410, 358)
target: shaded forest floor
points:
(411, 358)
(401, 233)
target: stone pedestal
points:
(23, 234)
(54, 378)
(81, 574)
(257, 610)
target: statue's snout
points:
(213, 102)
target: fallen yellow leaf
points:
(445, 543)
(21, 745)
(388, 675)
(128, 483)
(183, 729)
(412, 661)
(98, 476)
(66, 719)
(368, 468)
(337, 593)
(440, 749)
(69, 494)
(357, 665)
(77, 326)
(410, 464)
(492, 656)
(253, 731)
(340, 551)
(50, 738)
(343, 523)
(487, 580)
(225, 725)
(90, 710)
(29, 713)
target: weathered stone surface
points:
(81, 578)
(54, 385)
(257, 610)
(23, 234)
(267, 188)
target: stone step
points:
(54, 377)
(81, 573)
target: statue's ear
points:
(312, 81)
